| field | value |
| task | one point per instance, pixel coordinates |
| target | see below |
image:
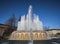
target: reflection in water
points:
(27, 42)
(5, 43)
(55, 43)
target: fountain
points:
(28, 23)
(28, 28)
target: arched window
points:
(26, 36)
(16, 35)
(22, 35)
(36, 35)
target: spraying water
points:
(27, 23)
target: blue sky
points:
(47, 10)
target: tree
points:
(11, 26)
(11, 21)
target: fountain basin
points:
(25, 35)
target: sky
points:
(47, 10)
